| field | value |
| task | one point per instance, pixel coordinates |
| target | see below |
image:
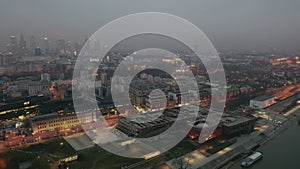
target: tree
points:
(182, 163)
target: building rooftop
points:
(50, 116)
(263, 98)
(45, 117)
(232, 120)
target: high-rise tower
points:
(32, 44)
(12, 47)
(46, 45)
(22, 42)
(61, 46)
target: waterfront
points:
(281, 152)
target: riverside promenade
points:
(266, 131)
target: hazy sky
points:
(230, 24)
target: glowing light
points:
(151, 155)
(26, 103)
(124, 143)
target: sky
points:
(229, 24)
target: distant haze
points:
(230, 24)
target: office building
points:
(262, 102)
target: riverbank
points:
(247, 143)
(271, 137)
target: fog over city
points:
(261, 25)
(156, 84)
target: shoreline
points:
(247, 143)
(275, 131)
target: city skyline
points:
(170, 84)
(261, 26)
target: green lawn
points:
(41, 155)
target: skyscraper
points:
(69, 47)
(32, 44)
(12, 47)
(46, 45)
(22, 46)
(13, 41)
(22, 42)
(61, 46)
(38, 51)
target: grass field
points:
(43, 155)
(40, 155)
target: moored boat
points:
(250, 160)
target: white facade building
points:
(262, 102)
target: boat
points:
(250, 160)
